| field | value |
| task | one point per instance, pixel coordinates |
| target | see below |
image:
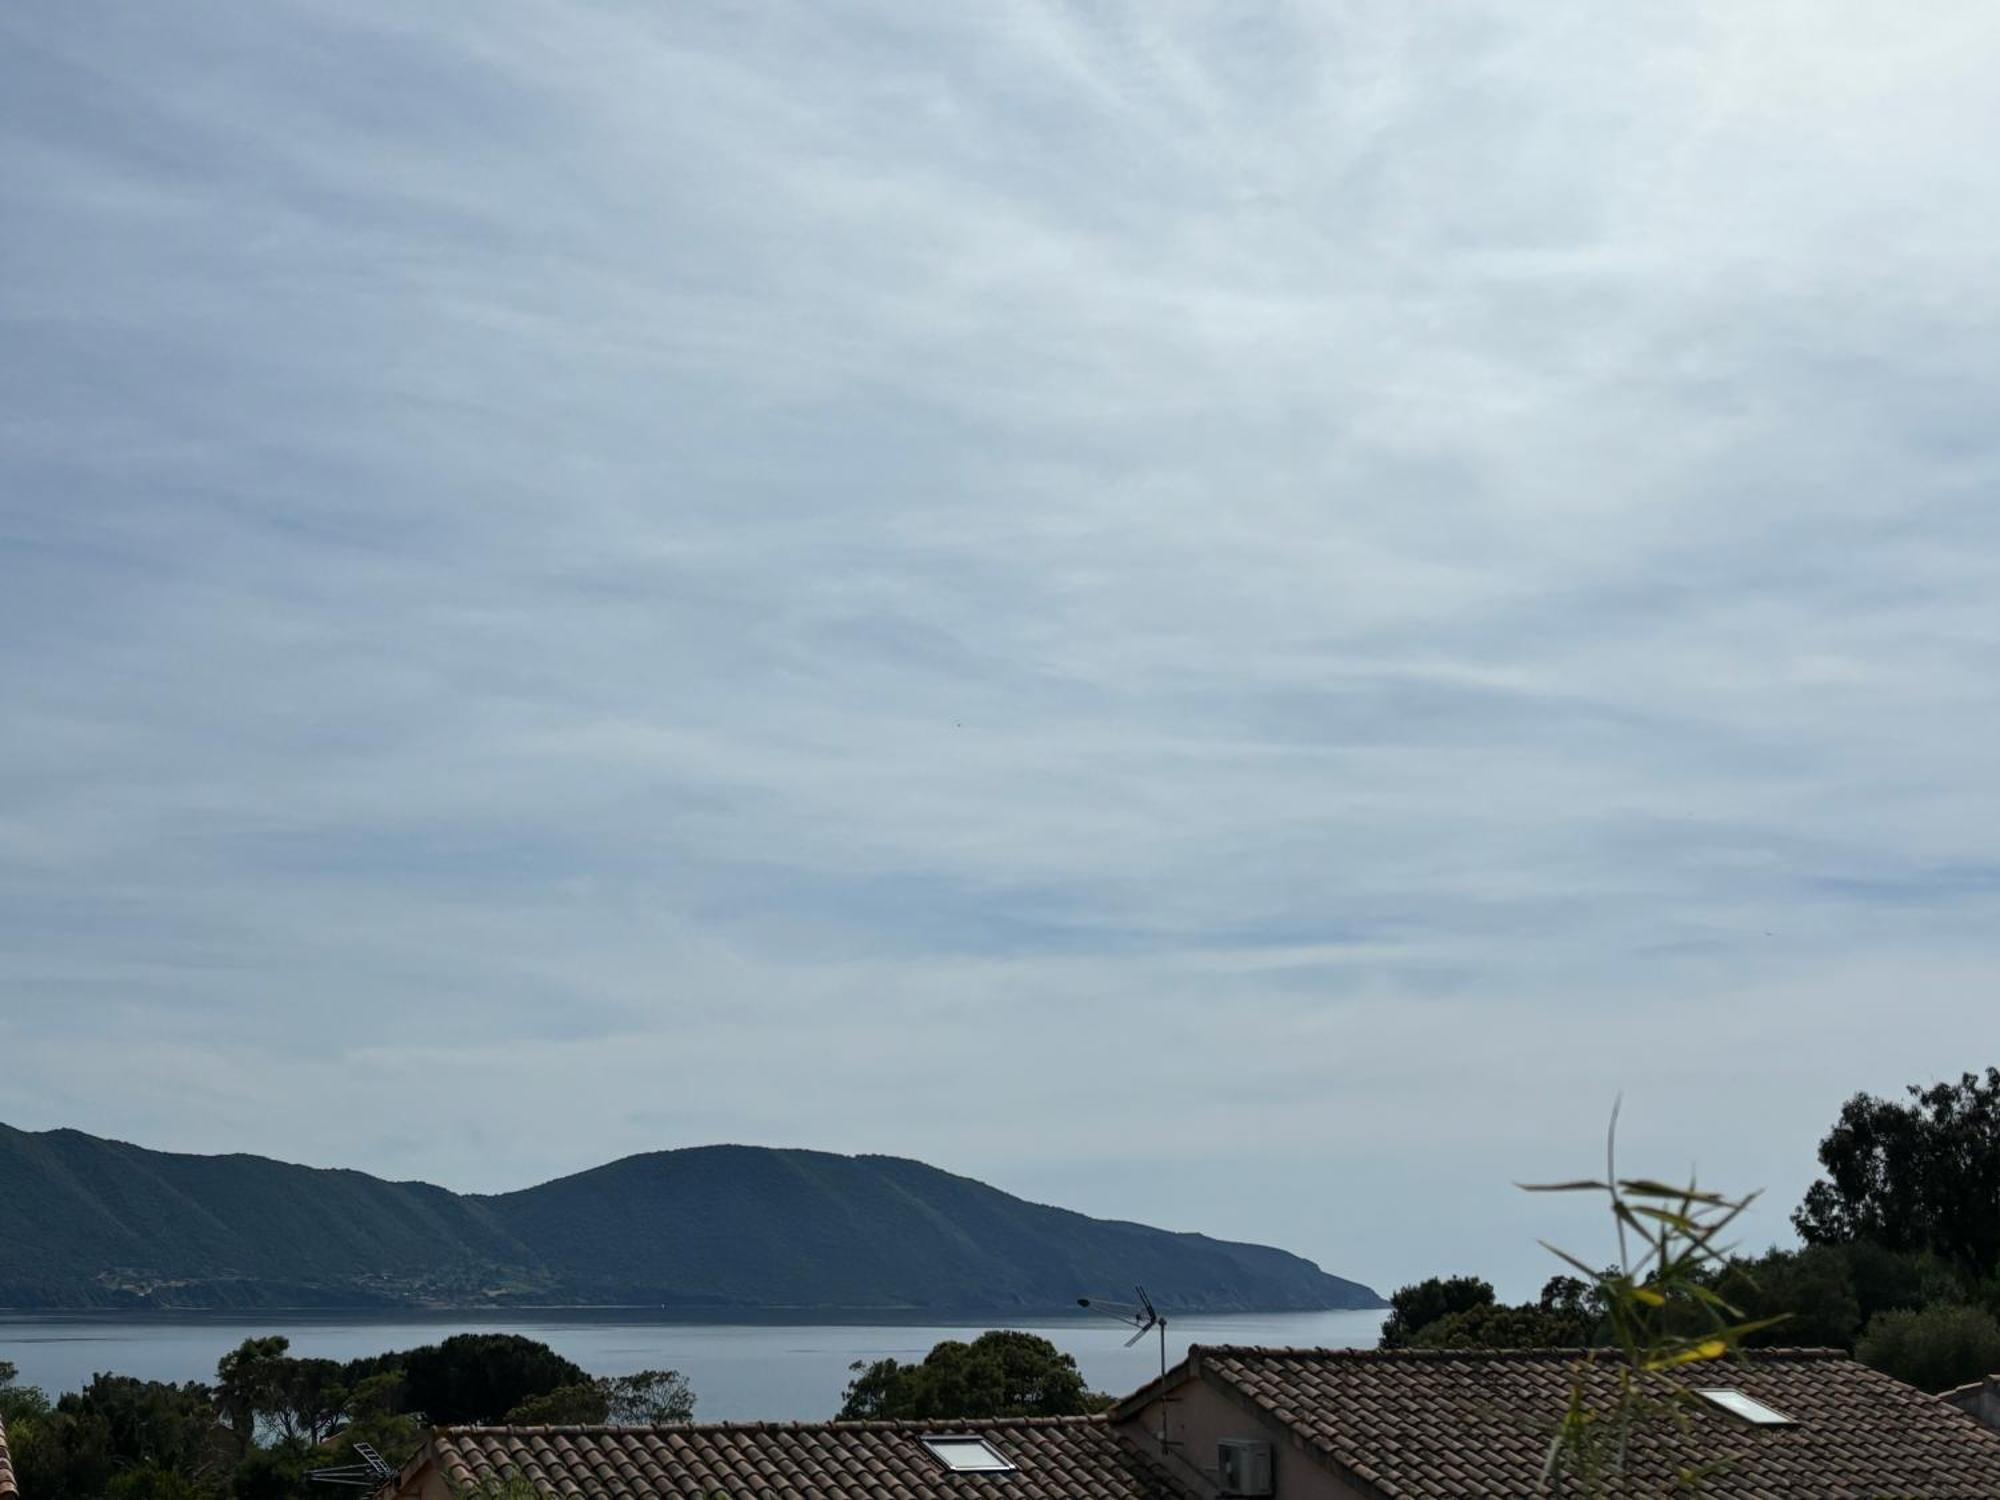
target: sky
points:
(1233, 616)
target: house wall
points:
(428, 1483)
(1200, 1415)
(1981, 1399)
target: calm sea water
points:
(739, 1371)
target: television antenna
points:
(1143, 1318)
(370, 1474)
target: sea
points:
(740, 1371)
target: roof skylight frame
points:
(1745, 1406)
(956, 1451)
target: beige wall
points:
(1981, 1400)
(1199, 1416)
(427, 1483)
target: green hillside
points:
(715, 1228)
(101, 1223)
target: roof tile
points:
(1055, 1458)
(1457, 1424)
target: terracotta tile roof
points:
(1450, 1424)
(1055, 1458)
(8, 1489)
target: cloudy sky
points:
(1222, 615)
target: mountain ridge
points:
(704, 1229)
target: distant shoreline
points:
(804, 1317)
(770, 1368)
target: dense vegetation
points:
(270, 1416)
(714, 1228)
(1900, 1265)
(999, 1374)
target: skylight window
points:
(966, 1453)
(1746, 1407)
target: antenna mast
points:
(1145, 1318)
(370, 1474)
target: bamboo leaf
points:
(1590, 1271)
(1703, 1295)
(1737, 1332)
(1668, 1217)
(1693, 1354)
(1646, 1187)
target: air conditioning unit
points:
(1243, 1466)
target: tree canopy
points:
(1425, 1302)
(1002, 1373)
(1901, 1264)
(271, 1416)
(1921, 1175)
(1934, 1347)
(299, 1400)
(477, 1378)
(647, 1398)
(1565, 1316)
(643, 1399)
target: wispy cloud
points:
(1140, 601)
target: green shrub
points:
(152, 1482)
(1003, 1373)
(581, 1405)
(1417, 1306)
(1933, 1348)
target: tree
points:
(153, 1425)
(261, 1387)
(1417, 1306)
(311, 1400)
(1933, 1348)
(1565, 1316)
(376, 1417)
(120, 1437)
(647, 1398)
(272, 1416)
(272, 1473)
(999, 1374)
(581, 1405)
(1916, 1176)
(63, 1456)
(1814, 1285)
(247, 1382)
(474, 1378)
(1831, 1291)
(19, 1404)
(152, 1482)
(1886, 1279)
(876, 1390)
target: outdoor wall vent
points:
(1243, 1466)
